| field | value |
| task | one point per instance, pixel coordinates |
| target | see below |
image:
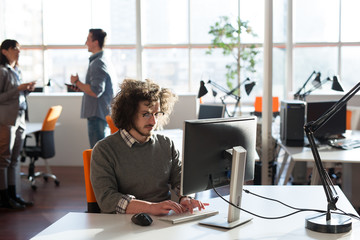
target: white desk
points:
(328, 155)
(32, 127)
(109, 226)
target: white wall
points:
(184, 109)
(71, 135)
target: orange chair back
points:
(93, 207)
(275, 104)
(51, 118)
(111, 124)
(348, 119)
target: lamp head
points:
(214, 93)
(336, 85)
(249, 87)
(202, 90)
(317, 81)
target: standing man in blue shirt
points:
(98, 90)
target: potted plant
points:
(227, 36)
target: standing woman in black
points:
(12, 122)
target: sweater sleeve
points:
(175, 177)
(103, 180)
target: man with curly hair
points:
(132, 170)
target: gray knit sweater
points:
(144, 171)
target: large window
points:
(21, 20)
(167, 41)
(326, 41)
(53, 34)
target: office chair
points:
(348, 119)
(44, 147)
(258, 106)
(92, 206)
(111, 124)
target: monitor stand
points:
(236, 187)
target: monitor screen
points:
(211, 111)
(204, 146)
(334, 127)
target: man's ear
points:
(97, 43)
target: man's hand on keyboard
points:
(190, 204)
(164, 207)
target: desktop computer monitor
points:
(335, 126)
(211, 111)
(206, 147)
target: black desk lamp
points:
(336, 85)
(202, 90)
(317, 84)
(329, 222)
(248, 88)
(317, 79)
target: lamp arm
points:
(315, 125)
(223, 102)
(229, 93)
(236, 105)
(224, 90)
(314, 88)
(218, 86)
(330, 192)
(235, 88)
(303, 87)
(310, 128)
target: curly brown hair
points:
(126, 102)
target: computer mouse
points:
(142, 219)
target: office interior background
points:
(166, 40)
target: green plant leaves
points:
(228, 37)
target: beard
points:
(144, 133)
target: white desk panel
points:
(33, 127)
(108, 226)
(327, 153)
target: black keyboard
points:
(346, 143)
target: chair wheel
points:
(34, 187)
(57, 183)
(46, 178)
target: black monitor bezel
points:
(225, 126)
(334, 127)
